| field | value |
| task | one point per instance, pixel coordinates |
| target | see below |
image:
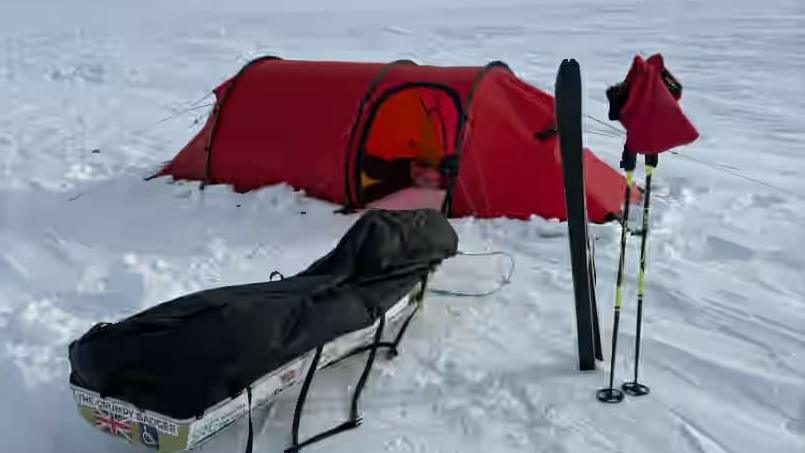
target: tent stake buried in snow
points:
(610, 394)
(635, 388)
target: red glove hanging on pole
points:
(646, 103)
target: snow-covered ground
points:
(83, 239)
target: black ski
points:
(569, 126)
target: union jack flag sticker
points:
(115, 425)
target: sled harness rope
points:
(505, 281)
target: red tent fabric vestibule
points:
(319, 126)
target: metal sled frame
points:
(354, 420)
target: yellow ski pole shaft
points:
(610, 394)
(635, 388)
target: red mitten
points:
(653, 119)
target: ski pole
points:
(635, 388)
(611, 394)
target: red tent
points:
(347, 133)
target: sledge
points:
(176, 374)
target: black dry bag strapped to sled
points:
(172, 375)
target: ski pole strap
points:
(628, 160)
(617, 95)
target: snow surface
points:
(83, 239)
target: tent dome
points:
(343, 131)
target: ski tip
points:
(569, 62)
